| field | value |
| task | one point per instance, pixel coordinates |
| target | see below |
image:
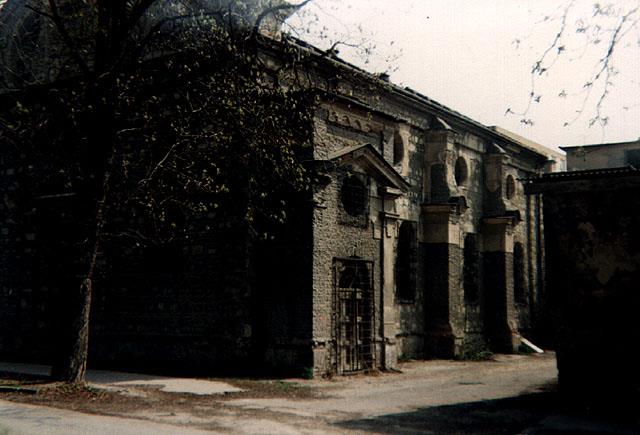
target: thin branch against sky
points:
(477, 58)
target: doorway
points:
(353, 314)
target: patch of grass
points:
(525, 350)
(271, 388)
(404, 358)
(479, 355)
(307, 373)
(288, 386)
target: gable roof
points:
(370, 159)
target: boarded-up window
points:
(406, 262)
(398, 149)
(519, 283)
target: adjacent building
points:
(606, 155)
(592, 237)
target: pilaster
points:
(445, 298)
(390, 321)
(501, 316)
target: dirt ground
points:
(511, 394)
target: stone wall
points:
(474, 179)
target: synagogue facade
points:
(416, 241)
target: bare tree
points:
(157, 107)
(597, 30)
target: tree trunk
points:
(112, 28)
(72, 365)
(72, 368)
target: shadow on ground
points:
(534, 413)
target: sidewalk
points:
(111, 379)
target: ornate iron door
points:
(354, 314)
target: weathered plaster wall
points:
(333, 239)
(339, 126)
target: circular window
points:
(353, 195)
(461, 171)
(510, 186)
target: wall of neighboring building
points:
(592, 237)
(614, 155)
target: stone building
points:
(425, 207)
(418, 242)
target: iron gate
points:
(354, 314)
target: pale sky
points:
(462, 54)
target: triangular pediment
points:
(369, 159)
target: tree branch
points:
(137, 12)
(55, 17)
(268, 11)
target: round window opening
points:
(353, 195)
(461, 171)
(510, 186)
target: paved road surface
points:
(21, 419)
(503, 396)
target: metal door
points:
(353, 314)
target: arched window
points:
(519, 279)
(471, 269)
(406, 262)
(398, 149)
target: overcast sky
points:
(462, 53)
